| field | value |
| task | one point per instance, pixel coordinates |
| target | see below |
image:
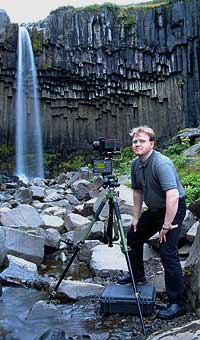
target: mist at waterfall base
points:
(29, 154)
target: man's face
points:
(141, 144)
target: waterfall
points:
(29, 154)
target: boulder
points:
(78, 225)
(19, 270)
(3, 250)
(24, 245)
(53, 197)
(73, 290)
(23, 195)
(97, 231)
(24, 215)
(81, 189)
(43, 310)
(38, 193)
(53, 334)
(52, 237)
(189, 220)
(54, 222)
(85, 253)
(193, 150)
(107, 261)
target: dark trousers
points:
(150, 223)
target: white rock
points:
(106, 261)
(24, 245)
(54, 222)
(24, 215)
(20, 270)
(78, 289)
(43, 310)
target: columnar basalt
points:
(106, 69)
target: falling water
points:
(29, 155)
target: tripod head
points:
(110, 181)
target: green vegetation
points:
(56, 163)
(97, 8)
(61, 8)
(7, 153)
(36, 41)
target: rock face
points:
(102, 71)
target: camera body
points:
(106, 148)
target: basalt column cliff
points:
(106, 69)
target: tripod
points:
(111, 196)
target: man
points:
(155, 181)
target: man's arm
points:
(172, 200)
(137, 206)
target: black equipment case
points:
(117, 298)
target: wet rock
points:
(74, 290)
(24, 245)
(42, 310)
(19, 270)
(24, 215)
(107, 261)
(190, 331)
(53, 334)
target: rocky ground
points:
(41, 222)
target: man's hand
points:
(164, 232)
(134, 224)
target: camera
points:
(106, 148)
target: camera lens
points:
(96, 145)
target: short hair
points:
(144, 129)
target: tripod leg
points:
(78, 247)
(110, 223)
(125, 247)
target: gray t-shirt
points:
(154, 177)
